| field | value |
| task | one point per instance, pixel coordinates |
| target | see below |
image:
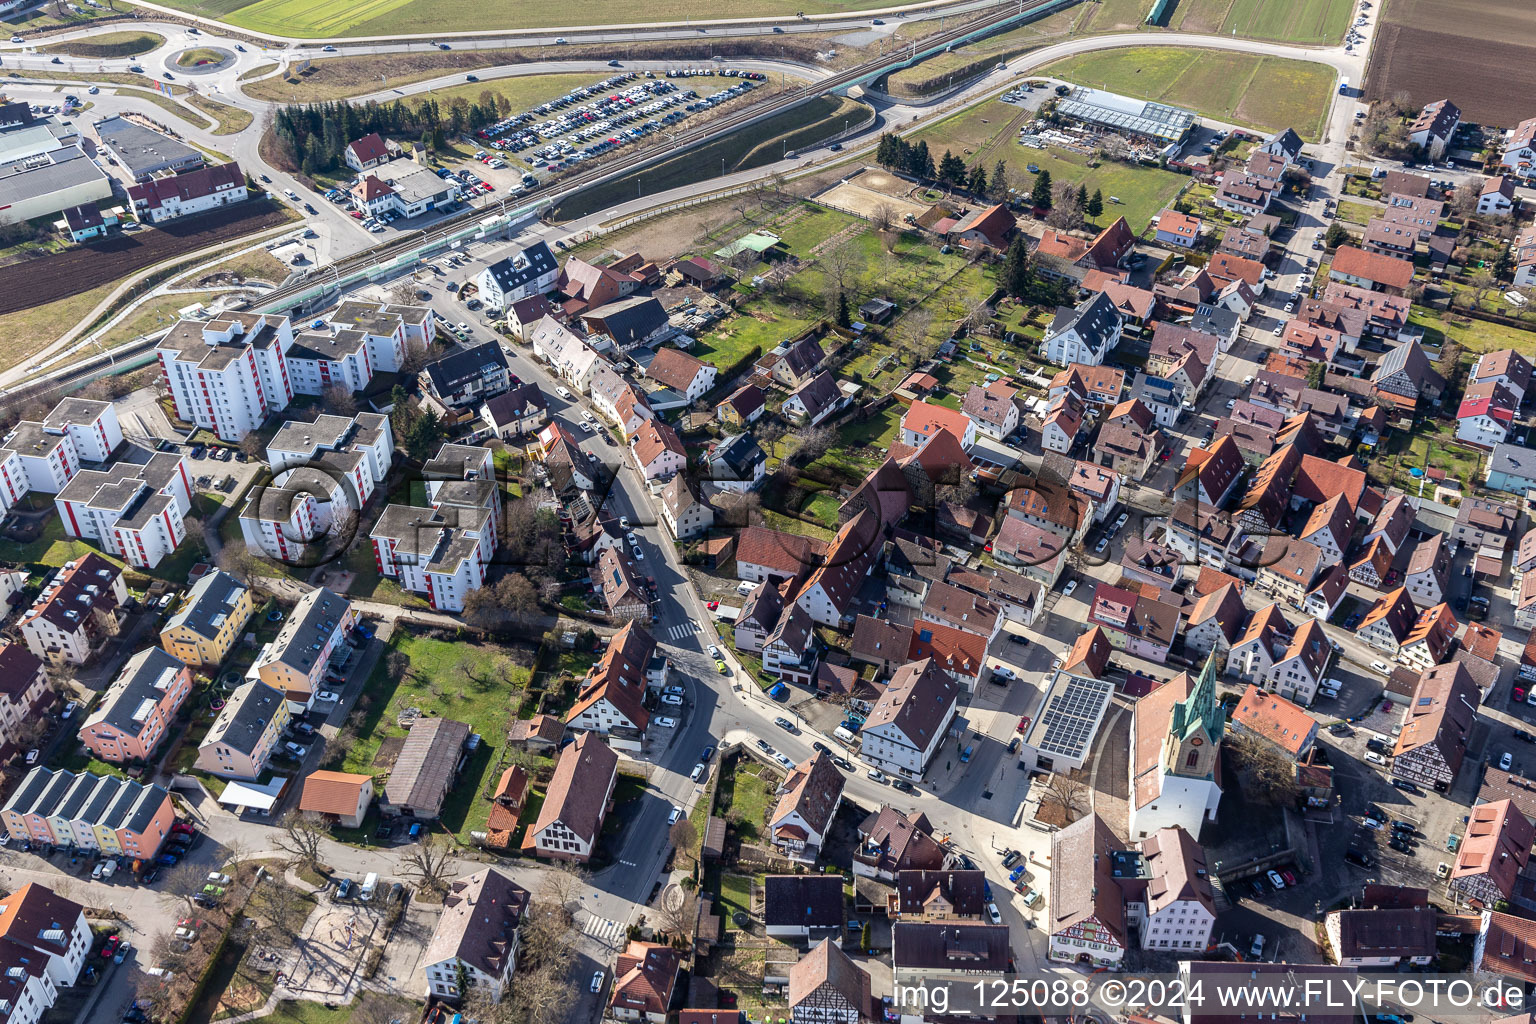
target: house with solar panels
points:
(1061, 731)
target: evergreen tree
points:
(978, 182)
(951, 169)
(1082, 197)
(1040, 195)
(1095, 205)
(999, 182)
(1016, 275)
(843, 319)
(919, 163)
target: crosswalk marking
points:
(602, 929)
(682, 630)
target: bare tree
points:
(1482, 281)
(281, 910)
(678, 912)
(339, 400)
(180, 884)
(564, 884)
(685, 838)
(429, 862)
(236, 853)
(1464, 205)
(839, 264)
(1265, 775)
(814, 443)
(883, 219)
(1068, 791)
(251, 445)
(912, 335)
(978, 316)
(302, 837)
(239, 562)
(382, 1008)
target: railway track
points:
(133, 355)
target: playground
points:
(326, 963)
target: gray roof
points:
(1285, 140)
(209, 604)
(243, 720)
(532, 263)
(453, 371)
(137, 691)
(481, 915)
(1094, 319)
(628, 320)
(814, 901)
(949, 946)
(1514, 459)
(740, 456)
(26, 795)
(97, 799)
(144, 151)
(424, 769)
(309, 626)
(51, 173)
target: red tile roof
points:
(1388, 271)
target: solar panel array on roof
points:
(1072, 715)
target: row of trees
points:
(311, 137)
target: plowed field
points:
(84, 267)
(1479, 53)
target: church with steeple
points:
(1175, 768)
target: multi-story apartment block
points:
(45, 455)
(442, 551)
(390, 331)
(295, 662)
(228, 374)
(246, 732)
(477, 937)
(76, 611)
(44, 942)
(135, 512)
(138, 708)
(89, 812)
(209, 621)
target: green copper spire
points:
(1198, 711)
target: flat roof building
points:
(144, 152)
(1126, 115)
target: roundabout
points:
(201, 60)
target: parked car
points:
(328, 697)
(1275, 879)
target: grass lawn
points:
(1357, 213)
(732, 338)
(815, 225)
(746, 792)
(108, 44)
(824, 507)
(1443, 451)
(931, 74)
(153, 315)
(27, 331)
(479, 685)
(1295, 21)
(1474, 335)
(986, 133)
(257, 264)
(1117, 15)
(54, 548)
(228, 120)
(50, 15)
(198, 55)
(520, 93)
(1268, 93)
(323, 18)
(304, 1012)
(735, 895)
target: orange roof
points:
(327, 792)
(1172, 222)
(1271, 716)
(1384, 270)
(927, 419)
(953, 650)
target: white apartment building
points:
(136, 513)
(442, 551)
(522, 275)
(229, 374)
(44, 456)
(1177, 909)
(477, 936)
(390, 330)
(908, 723)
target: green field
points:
(1116, 15)
(987, 132)
(108, 44)
(930, 75)
(1287, 21)
(1268, 93)
(325, 18)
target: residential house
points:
(1494, 852)
(116, 817)
(770, 555)
(903, 731)
(567, 353)
(1487, 414)
(1429, 641)
(25, 695)
(644, 979)
(1129, 441)
(1484, 522)
(992, 408)
(474, 947)
(1497, 197)
(959, 653)
(246, 732)
(1511, 469)
(1087, 921)
(658, 451)
(1210, 474)
(1505, 944)
(296, 661)
(736, 463)
(1519, 149)
(511, 414)
(808, 800)
(1434, 126)
(683, 373)
(526, 274)
(827, 987)
(1083, 334)
(1099, 385)
(76, 612)
(1098, 485)
(1274, 719)
(1427, 572)
(209, 620)
(804, 907)
(138, 709)
(611, 698)
(685, 513)
(814, 400)
(469, 376)
(366, 153)
(1135, 624)
(1389, 622)
(1216, 622)
(830, 590)
(628, 323)
(1381, 936)
(989, 227)
(890, 841)
(577, 799)
(1405, 375)
(1263, 644)
(1331, 527)
(1370, 271)
(879, 642)
(339, 798)
(794, 364)
(741, 407)
(1303, 669)
(1177, 229)
(1174, 907)
(1063, 420)
(922, 421)
(190, 192)
(759, 617)
(1436, 723)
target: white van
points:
(291, 194)
(842, 734)
(370, 883)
